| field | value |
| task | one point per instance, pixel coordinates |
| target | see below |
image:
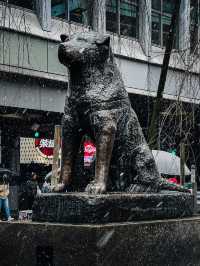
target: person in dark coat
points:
(31, 189)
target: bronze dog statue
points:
(97, 104)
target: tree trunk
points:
(154, 123)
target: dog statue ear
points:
(64, 37)
(104, 40)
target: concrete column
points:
(43, 8)
(99, 16)
(184, 26)
(145, 25)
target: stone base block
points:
(114, 207)
(174, 242)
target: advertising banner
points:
(89, 153)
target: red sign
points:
(45, 147)
(89, 153)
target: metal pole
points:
(57, 144)
(194, 186)
(182, 163)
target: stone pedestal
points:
(174, 242)
(80, 208)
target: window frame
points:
(67, 14)
(136, 6)
(118, 18)
(4, 2)
(116, 14)
(161, 13)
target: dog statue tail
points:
(164, 184)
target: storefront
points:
(27, 141)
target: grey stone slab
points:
(174, 242)
(112, 207)
(28, 244)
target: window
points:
(78, 11)
(58, 8)
(129, 18)
(72, 10)
(122, 17)
(22, 3)
(194, 24)
(111, 16)
(161, 19)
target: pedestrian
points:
(32, 189)
(4, 192)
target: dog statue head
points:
(84, 49)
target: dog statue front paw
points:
(96, 188)
(61, 187)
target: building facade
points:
(33, 83)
